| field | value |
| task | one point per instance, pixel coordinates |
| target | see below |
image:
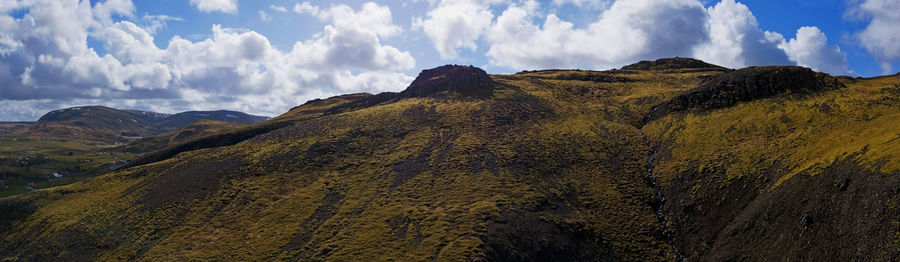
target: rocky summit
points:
(466, 80)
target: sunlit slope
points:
(543, 165)
(766, 163)
(813, 175)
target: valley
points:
(72, 144)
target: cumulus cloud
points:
(306, 8)
(523, 36)
(105, 10)
(45, 63)
(736, 39)
(881, 37)
(8, 45)
(456, 24)
(372, 17)
(810, 49)
(209, 6)
(591, 4)
(626, 32)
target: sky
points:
(264, 57)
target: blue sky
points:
(264, 57)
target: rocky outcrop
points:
(448, 80)
(749, 84)
(672, 63)
(465, 80)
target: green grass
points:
(41, 158)
(804, 135)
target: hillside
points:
(76, 143)
(109, 124)
(94, 123)
(198, 129)
(184, 119)
(653, 162)
(812, 174)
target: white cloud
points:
(263, 16)
(209, 6)
(628, 31)
(306, 8)
(456, 24)
(153, 23)
(45, 60)
(810, 49)
(129, 43)
(737, 41)
(590, 4)
(371, 17)
(8, 45)
(278, 8)
(881, 37)
(105, 10)
(523, 37)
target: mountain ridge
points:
(550, 165)
(109, 124)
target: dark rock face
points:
(671, 63)
(749, 84)
(466, 80)
(522, 235)
(840, 214)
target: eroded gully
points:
(660, 198)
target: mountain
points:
(656, 161)
(100, 123)
(95, 122)
(193, 131)
(184, 119)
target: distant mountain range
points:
(108, 124)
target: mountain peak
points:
(467, 80)
(671, 63)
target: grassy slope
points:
(188, 133)
(92, 123)
(812, 176)
(77, 142)
(544, 169)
